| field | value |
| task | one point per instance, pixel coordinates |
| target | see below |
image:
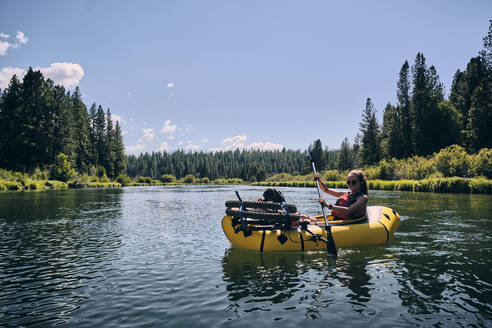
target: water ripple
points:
(154, 256)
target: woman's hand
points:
(317, 177)
(323, 202)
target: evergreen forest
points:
(42, 124)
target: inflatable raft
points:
(375, 229)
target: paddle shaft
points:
(330, 242)
(319, 195)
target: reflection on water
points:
(310, 281)
(157, 256)
(51, 244)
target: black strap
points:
(262, 240)
(301, 238)
(387, 232)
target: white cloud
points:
(21, 37)
(168, 127)
(135, 148)
(234, 142)
(6, 75)
(148, 136)
(170, 137)
(118, 118)
(4, 46)
(170, 85)
(180, 143)
(124, 132)
(164, 146)
(264, 146)
(205, 140)
(66, 74)
(129, 93)
(192, 147)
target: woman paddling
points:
(349, 205)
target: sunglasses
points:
(352, 182)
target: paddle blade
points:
(309, 153)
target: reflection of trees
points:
(268, 275)
(51, 243)
(257, 280)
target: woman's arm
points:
(328, 190)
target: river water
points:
(157, 257)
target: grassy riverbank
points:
(438, 185)
(15, 181)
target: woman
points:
(349, 205)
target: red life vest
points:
(345, 201)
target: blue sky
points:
(208, 75)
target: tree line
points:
(422, 122)
(40, 120)
(247, 165)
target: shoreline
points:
(436, 185)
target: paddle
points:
(330, 245)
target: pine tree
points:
(99, 136)
(317, 155)
(119, 150)
(81, 130)
(92, 134)
(486, 53)
(344, 159)
(63, 133)
(35, 128)
(404, 103)
(458, 96)
(480, 118)
(109, 146)
(419, 105)
(10, 120)
(356, 151)
(391, 143)
(371, 147)
(448, 124)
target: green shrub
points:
(147, 180)
(331, 175)
(235, 181)
(452, 161)
(54, 184)
(481, 163)
(189, 178)
(417, 168)
(123, 179)
(104, 184)
(168, 178)
(62, 170)
(9, 185)
(100, 171)
(373, 172)
(40, 174)
(481, 185)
